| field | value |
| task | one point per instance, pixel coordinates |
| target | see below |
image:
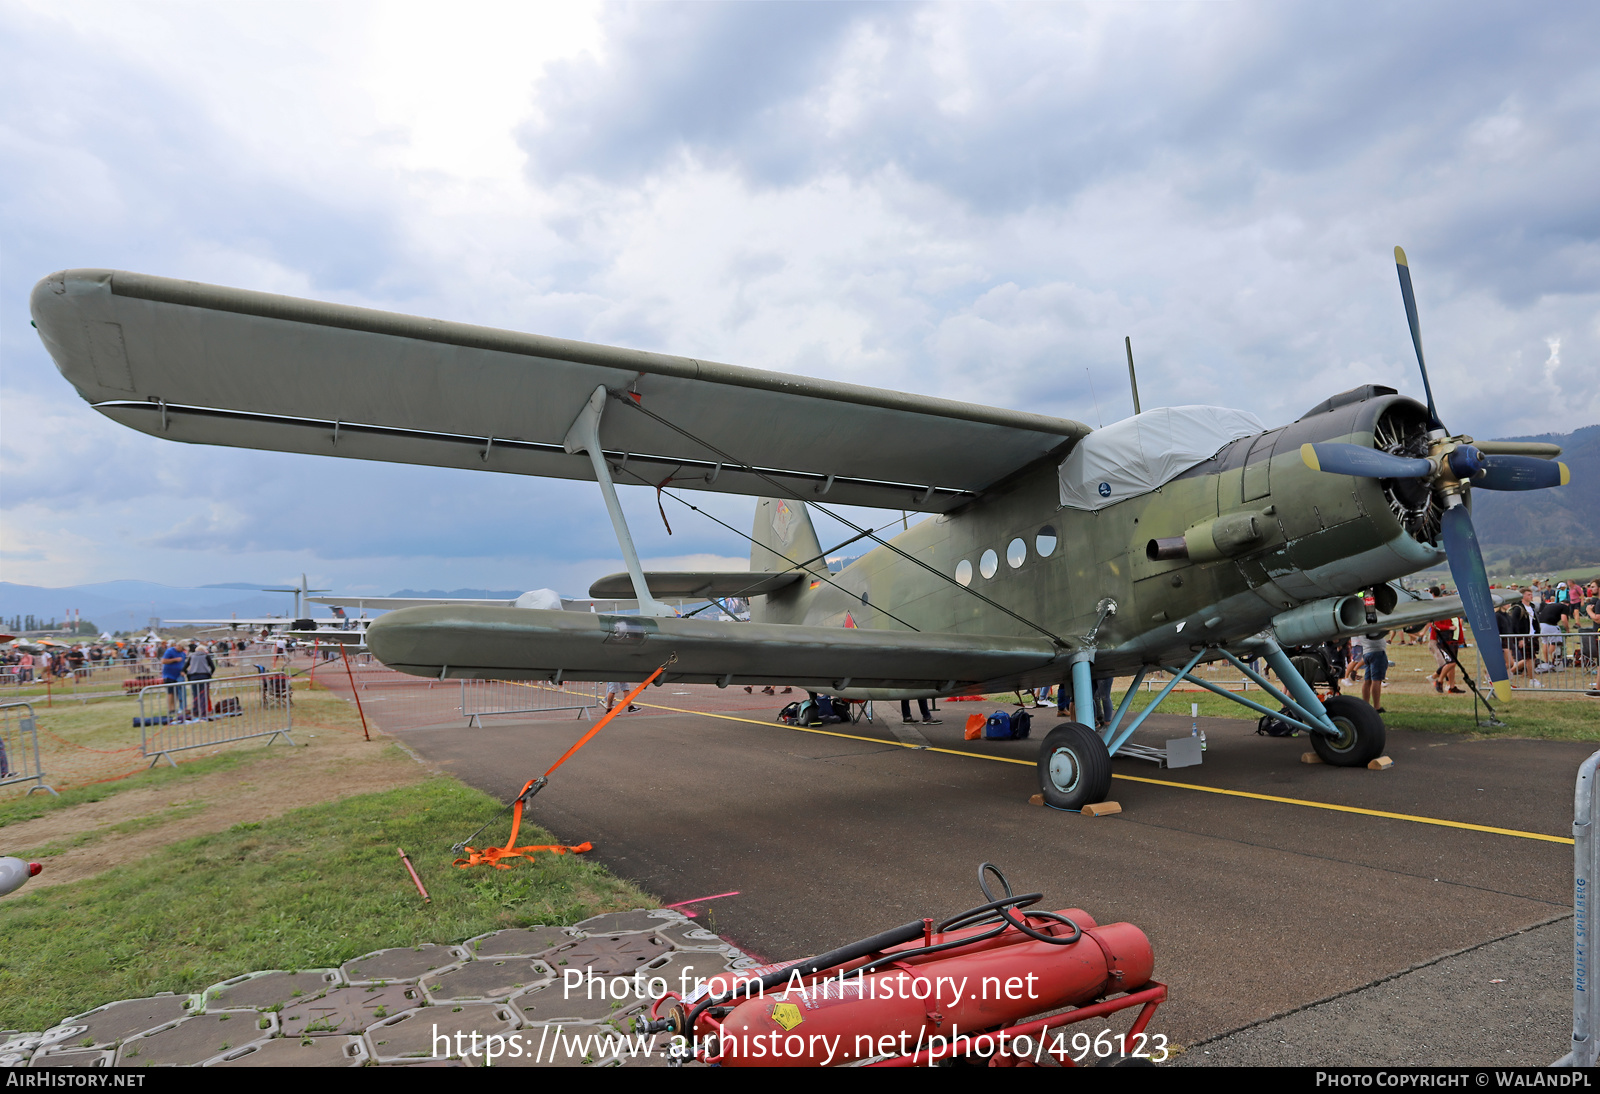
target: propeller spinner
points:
(1452, 466)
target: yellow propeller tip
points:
(1400, 256)
(1566, 473)
(1502, 690)
(1309, 454)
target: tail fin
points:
(783, 536)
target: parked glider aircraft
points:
(1056, 553)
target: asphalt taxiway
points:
(1258, 904)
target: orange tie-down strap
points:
(493, 855)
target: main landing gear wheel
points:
(1361, 733)
(1074, 767)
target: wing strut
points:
(584, 436)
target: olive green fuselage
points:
(1321, 535)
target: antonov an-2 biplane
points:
(1056, 553)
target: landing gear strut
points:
(1075, 762)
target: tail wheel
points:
(1074, 767)
(1361, 733)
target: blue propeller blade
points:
(1410, 298)
(1521, 473)
(1366, 463)
(1472, 582)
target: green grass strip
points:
(312, 888)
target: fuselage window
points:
(1045, 541)
(964, 572)
(1016, 553)
(989, 563)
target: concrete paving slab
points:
(555, 1002)
(196, 1040)
(608, 955)
(17, 1046)
(640, 919)
(105, 1026)
(401, 964)
(411, 1036)
(78, 1057)
(299, 1052)
(519, 941)
(489, 979)
(270, 988)
(686, 934)
(682, 969)
(556, 1045)
(349, 1010)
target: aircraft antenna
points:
(1133, 380)
(1098, 423)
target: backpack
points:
(807, 712)
(997, 727)
(1270, 726)
(1021, 725)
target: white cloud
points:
(976, 202)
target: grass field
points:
(253, 858)
(309, 889)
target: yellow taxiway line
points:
(1154, 782)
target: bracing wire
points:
(787, 492)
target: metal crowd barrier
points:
(1585, 867)
(198, 714)
(1558, 662)
(19, 748)
(482, 697)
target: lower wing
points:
(528, 644)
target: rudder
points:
(783, 536)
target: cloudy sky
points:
(968, 200)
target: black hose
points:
(983, 914)
(1007, 904)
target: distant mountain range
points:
(1544, 530)
(130, 605)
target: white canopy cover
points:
(1138, 454)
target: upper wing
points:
(210, 365)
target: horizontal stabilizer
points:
(513, 644)
(1412, 612)
(330, 638)
(738, 583)
(392, 603)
